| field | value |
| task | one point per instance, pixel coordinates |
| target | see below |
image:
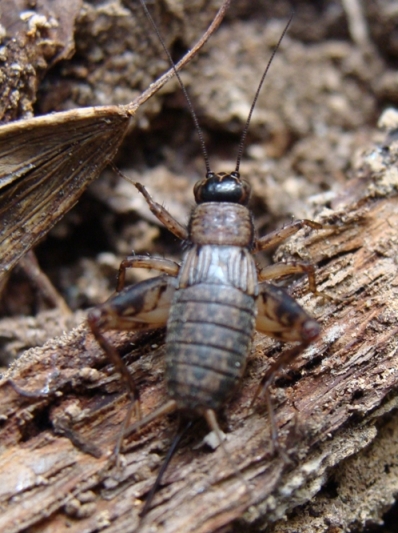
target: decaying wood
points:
(335, 407)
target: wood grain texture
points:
(335, 407)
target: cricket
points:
(212, 302)
(233, 365)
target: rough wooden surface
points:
(335, 408)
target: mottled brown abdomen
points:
(209, 333)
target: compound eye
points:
(198, 190)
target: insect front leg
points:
(163, 215)
(278, 236)
(142, 306)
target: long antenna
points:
(191, 108)
(246, 128)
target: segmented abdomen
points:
(209, 333)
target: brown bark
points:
(334, 408)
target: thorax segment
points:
(221, 223)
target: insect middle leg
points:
(279, 270)
(142, 261)
(293, 267)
